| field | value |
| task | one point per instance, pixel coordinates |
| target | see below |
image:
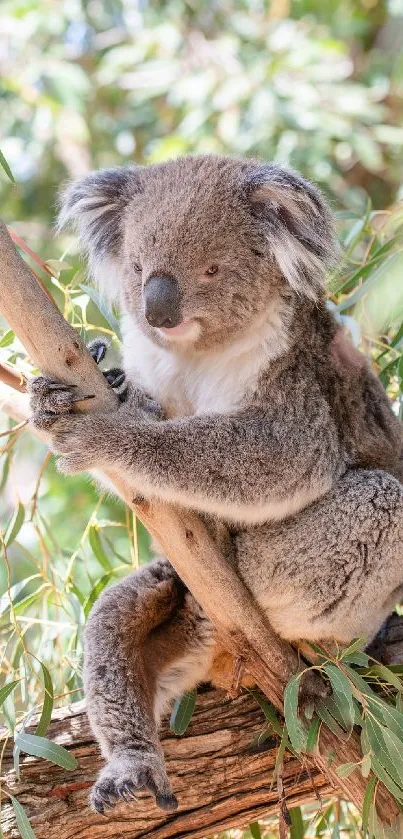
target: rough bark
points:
(221, 780)
(57, 351)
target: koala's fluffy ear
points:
(298, 225)
(94, 207)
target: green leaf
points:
(106, 313)
(7, 689)
(384, 776)
(346, 769)
(329, 720)
(20, 607)
(366, 765)
(342, 694)
(42, 747)
(296, 730)
(355, 646)
(386, 674)
(368, 800)
(57, 265)
(387, 715)
(385, 268)
(96, 591)
(22, 820)
(359, 658)
(386, 747)
(182, 712)
(284, 744)
(7, 338)
(47, 707)
(15, 525)
(5, 166)
(359, 682)
(98, 549)
(269, 712)
(16, 761)
(313, 734)
(297, 829)
(255, 831)
(12, 593)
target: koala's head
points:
(196, 250)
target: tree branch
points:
(58, 352)
(220, 778)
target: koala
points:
(243, 401)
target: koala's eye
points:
(137, 267)
(211, 270)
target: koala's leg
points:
(334, 571)
(146, 642)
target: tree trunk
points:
(220, 778)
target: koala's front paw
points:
(124, 776)
(54, 398)
(76, 436)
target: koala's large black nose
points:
(162, 300)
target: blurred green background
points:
(92, 83)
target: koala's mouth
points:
(188, 330)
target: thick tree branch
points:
(58, 352)
(220, 778)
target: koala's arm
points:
(250, 466)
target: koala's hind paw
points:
(123, 777)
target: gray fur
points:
(260, 415)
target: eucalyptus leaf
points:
(106, 313)
(357, 645)
(388, 676)
(7, 338)
(386, 747)
(47, 707)
(387, 715)
(368, 800)
(42, 747)
(4, 165)
(7, 689)
(98, 549)
(22, 820)
(346, 769)
(366, 765)
(295, 727)
(313, 735)
(329, 720)
(359, 658)
(269, 712)
(297, 828)
(15, 525)
(255, 831)
(342, 694)
(182, 712)
(96, 591)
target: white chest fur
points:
(188, 383)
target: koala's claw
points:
(50, 399)
(120, 780)
(115, 376)
(98, 349)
